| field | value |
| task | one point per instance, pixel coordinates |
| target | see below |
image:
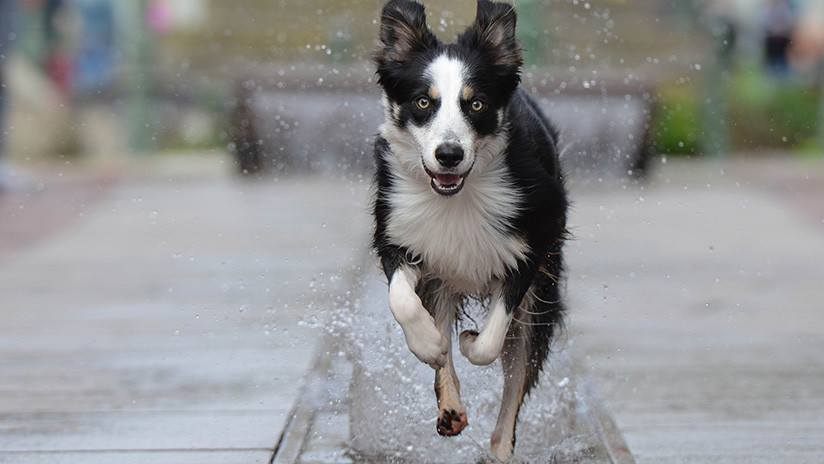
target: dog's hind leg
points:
(515, 362)
(525, 350)
(451, 414)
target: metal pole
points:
(530, 27)
(716, 87)
(136, 50)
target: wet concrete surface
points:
(697, 309)
(164, 318)
(368, 400)
(179, 316)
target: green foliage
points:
(676, 127)
(773, 113)
(763, 113)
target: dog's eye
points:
(423, 103)
(477, 105)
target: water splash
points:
(393, 410)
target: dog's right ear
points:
(403, 31)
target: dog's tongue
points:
(447, 179)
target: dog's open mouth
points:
(446, 184)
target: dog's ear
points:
(403, 31)
(493, 33)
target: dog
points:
(469, 204)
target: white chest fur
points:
(462, 240)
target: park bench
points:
(321, 118)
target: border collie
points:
(469, 204)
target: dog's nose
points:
(449, 155)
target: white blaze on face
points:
(449, 124)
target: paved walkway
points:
(160, 321)
(698, 306)
(165, 314)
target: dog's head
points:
(447, 100)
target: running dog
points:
(469, 204)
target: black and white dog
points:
(469, 204)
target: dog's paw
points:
(451, 422)
(477, 352)
(427, 343)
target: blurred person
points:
(778, 24)
(8, 19)
(806, 52)
(94, 56)
(58, 24)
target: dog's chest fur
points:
(467, 240)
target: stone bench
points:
(321, 118)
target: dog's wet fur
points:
(469, 204)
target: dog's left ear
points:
(494, 34)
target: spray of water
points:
(392, 406)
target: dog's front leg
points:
(451, 414)
(423, 338)
(484, 347)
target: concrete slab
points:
(165, 319)
(142, 430)
(696, 303)
(142, 457)
(174, 316)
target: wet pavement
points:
(367, 401)
(169, 311)
(698, 309)
(162, 322)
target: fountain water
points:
(392, 405)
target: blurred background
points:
(257, 79)
(184, 216)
